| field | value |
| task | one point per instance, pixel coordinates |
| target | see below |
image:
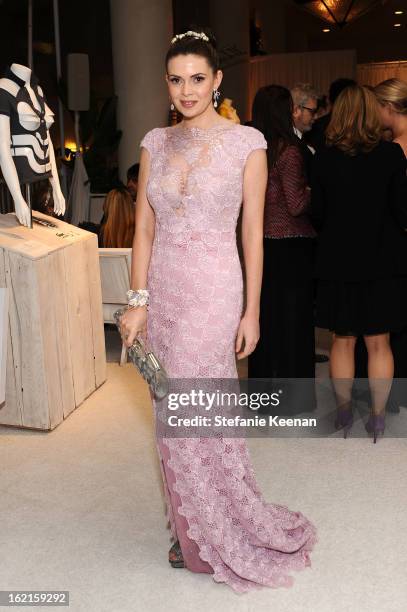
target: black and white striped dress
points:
(29, 126)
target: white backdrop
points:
(319, 68)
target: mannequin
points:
(26, 151)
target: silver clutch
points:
(146, 363)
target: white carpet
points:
(82, 510)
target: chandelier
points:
(338, 12)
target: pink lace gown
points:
(214, 506)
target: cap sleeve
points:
(254, 140)
(151, 140)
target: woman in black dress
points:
(359, 200)
(392, 97)
(286, 347)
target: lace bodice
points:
(195, 276)
(196, 177)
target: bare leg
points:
(380, 369)
(342, 369)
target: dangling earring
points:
(172, 107)
(216, 95)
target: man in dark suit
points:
(316, 136)
(305, 100)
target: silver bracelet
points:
(140, 297)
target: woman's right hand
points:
(133, 322)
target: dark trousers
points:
(287, 345)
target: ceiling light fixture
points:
(338, 12)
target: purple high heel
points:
(344, 420)
(375, 425)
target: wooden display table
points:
(55, 345)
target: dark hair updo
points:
(192, 45)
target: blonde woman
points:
(392, 98)
(359, 198)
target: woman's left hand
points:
(249, 334)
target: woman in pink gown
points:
(193, 179)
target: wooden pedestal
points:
(55, 345)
